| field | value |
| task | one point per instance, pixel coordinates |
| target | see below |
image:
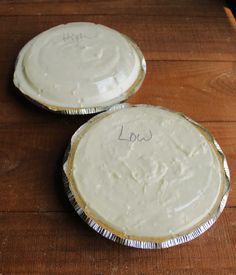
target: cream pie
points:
(79, 68)
(145, 173)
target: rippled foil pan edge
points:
(143, 244)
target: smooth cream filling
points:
(77, 65)
(147, 172)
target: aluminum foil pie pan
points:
(197, 231)
(36, 93)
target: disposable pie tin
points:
(40, 80)
(110, 234)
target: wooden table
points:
(190, 47)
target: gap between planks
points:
(66, 211)
(109, 14)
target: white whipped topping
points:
(147, 172)
(77, 65)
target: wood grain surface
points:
(159, 37)
(193, 8)
(190, 47)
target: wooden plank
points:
(204, 91)
(208, 8)
(160, 38)
(31, 169)
(61, 243)
(31, 157)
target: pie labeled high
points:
(146, 176)
(79, 68)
